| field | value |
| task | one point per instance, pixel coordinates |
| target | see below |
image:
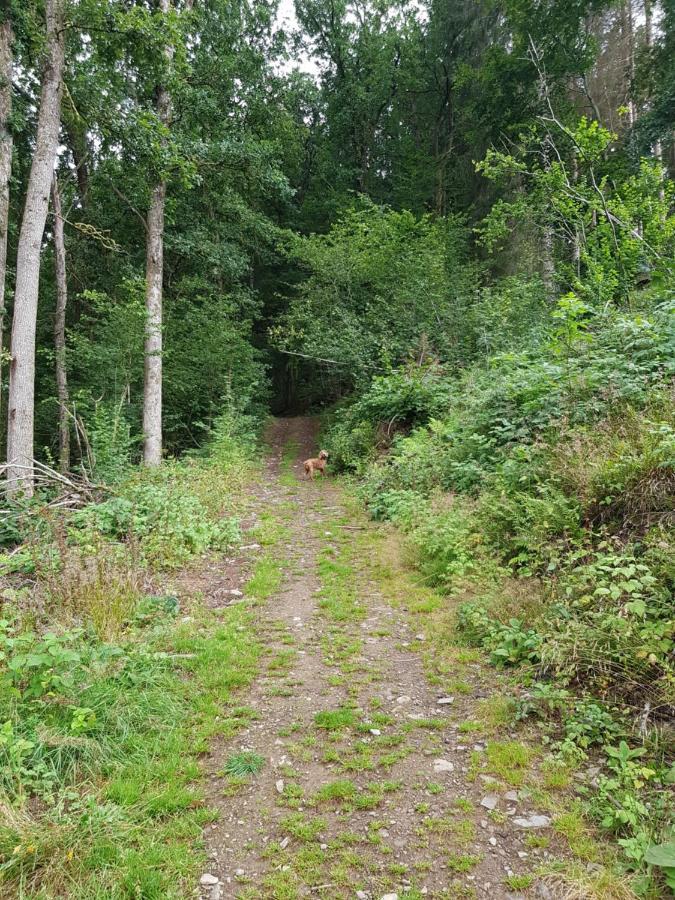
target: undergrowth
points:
(536, 492)
(111, 688)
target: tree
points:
(60, 328)
(20, 420)
(154, 274)
(6, 145)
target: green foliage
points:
(164, 510)
(392, 404)
(379, 284)
(243, 764)
(509, 643)
(619, 228)
(663, 856)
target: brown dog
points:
(318, 464)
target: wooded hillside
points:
(447, 228)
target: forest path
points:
(371, 780)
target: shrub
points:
(166, 512)
(392, 404)
(509, 643)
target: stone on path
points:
(444, 701)
(532, 821)
(443, 765)
(490, 801)
(207, 879)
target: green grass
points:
(519, 882)
(289, 456)
(462, 863)
(265, 579)
(337, 719)
(268, 531)
(133, 821)
(241, 764)
(509, 760)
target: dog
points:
(318, 464)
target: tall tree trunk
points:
(20, 418)
(154, 273)
(649, 36)
(629, 37)
(6, 38)
(60, 329)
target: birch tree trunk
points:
(20, 418)
(629, 38)
(60, 329)
(154, 273)
(6, 141)
(649, 31)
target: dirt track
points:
(369, 785)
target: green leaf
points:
(661, 855)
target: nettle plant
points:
(614, 232)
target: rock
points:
(323, 846)
(361, 895)
(375, 731)
(283, 844)
(522, 854)
(532, 821)
(445, 701)
(490, 801)
(493, 841)
(511, 795)
(239, 873)
(488, 779)
(480, 748)
(207, 879)
(542, 891)
(389, 897)
(403, 699)
(420, 637)
(280, 786)
(443, 765)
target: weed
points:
(336, 720)
(509, 760)
(265, 579)
(462, 863)
(240, 765)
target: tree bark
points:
(154, 273)
(60, 329)
(627, 28)
(649, 32)
(22, 368)
(6, 142)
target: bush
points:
(510, 643)
(392, 404)
(166, 511)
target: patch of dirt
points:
(411, 812)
